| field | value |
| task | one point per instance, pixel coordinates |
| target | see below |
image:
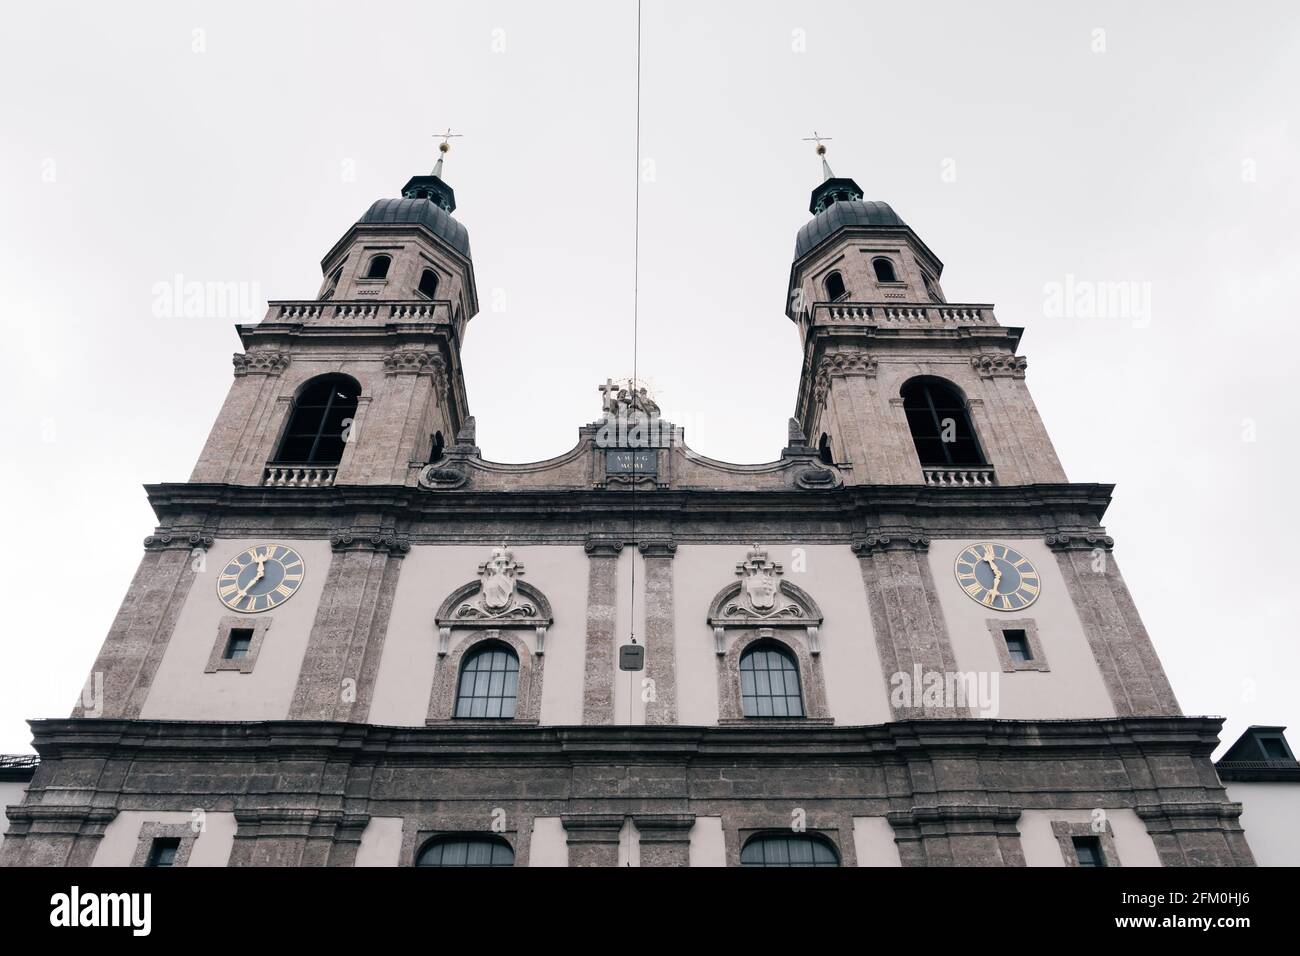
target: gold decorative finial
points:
(821, 148)
(444, 146)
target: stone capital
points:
(998, 364)
(1059, 541)
(178, 541)
(347, 539)
(260, 362)
(603, 547)
(658, 547)
(909, 541)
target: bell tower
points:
(363, 384)
(899, 385)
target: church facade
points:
(354, 639)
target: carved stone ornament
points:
(762, 598)
(840, 364)
(992, 364)
(912, 541)
(497, 599)
(1079, 542)
(260, 362)
(345, 538)
(409, 361)
(169, 540)
(815, 476)
(439, 477)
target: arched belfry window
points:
(428, 283)
(788, 849)
(940, 422)
(489, 682)
(769, 682)
(436, 445)
(884, 270)
(824, 449)
(835, 286)
(319, 422)
(379, 267)
(466, 850)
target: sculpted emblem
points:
(498, 577)
(498, 594)
(759, 577)
(760, 592)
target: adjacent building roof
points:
(1261, 754)
(18, 766)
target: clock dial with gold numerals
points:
(998, 577)
(261, 578)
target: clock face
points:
(998, 577)
(260, 578)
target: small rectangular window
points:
(1018, 645)
(1087, 850)
(241, 639)
(163, 852)
(1274, 748)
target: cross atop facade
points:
(608, 392)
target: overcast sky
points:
(1023, 145)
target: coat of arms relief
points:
(498, 599)
(762, 599)
(760, 596)
(498, 595)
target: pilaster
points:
(337, 678)
(602, 593)
(911, 635)
(661, 646)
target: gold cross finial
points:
(446, 137)
(814, 138)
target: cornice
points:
(352, 742)
(1070, 513)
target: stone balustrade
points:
(298, 476)
(344, 311)
(889, 314)
(968, 477)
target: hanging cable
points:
(636, 278)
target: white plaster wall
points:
(381, 842)
(855, 686)
(1133, 843)
(1269, 816)
(11, 794)
(182, 691)
(548, 845)
(1072, 688)
(429, 573)
(122, 836)
(708, 845)
(873, 840)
